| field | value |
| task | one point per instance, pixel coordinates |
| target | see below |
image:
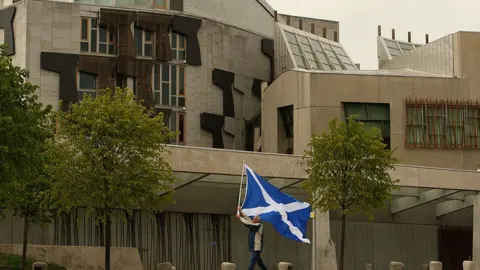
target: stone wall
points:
(80, 258)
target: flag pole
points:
(241, 183)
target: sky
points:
(359, 20)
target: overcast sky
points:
(359, 20)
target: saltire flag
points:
(288, 215)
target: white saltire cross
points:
(281, 208)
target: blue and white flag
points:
(288, 215)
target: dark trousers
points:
(255, 259)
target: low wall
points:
(80, 258)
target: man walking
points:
(255, 238)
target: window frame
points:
(177, 49)
(178, 95)
(367, 119)
(144, 42)
(108, 35)
(86, 91)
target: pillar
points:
(323, 253)
(476, 232)
(396, 266)
(468, 265)
(434, 265)
(228, 266)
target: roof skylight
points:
(312, 52)
(396, 48)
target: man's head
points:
(256, 219)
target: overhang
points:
(214, 172)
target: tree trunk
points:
(25, 242)
(342, 250)
(108, 237)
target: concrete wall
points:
(469, 55)
(331, 26)
(318, 98)
(79, 258)
(248, 14)
(233, 50)
(55, 27)
(435, 57)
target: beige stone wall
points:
(19, 33)
(52, 27)
(328, 91)
(469, 43)
(80, 258)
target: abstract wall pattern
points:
(241, 106)
(7, 15)
(112, 72)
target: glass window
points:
(96, 38)
(87, 84)
(373, 115)
(169, 85)
(144, 43)
(162, 4)
(178, 43)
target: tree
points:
(24, 133)
(348, 171)
(111, 150)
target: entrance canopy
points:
(209, 181)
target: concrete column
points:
(368, 266)
(396, 266)
(228, 266)
(285, 266)
(323, 253)
(468, 265)
(476, 232)
(434, 265)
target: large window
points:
(96, 38)
(373, 115)
(159, 4)
(87, 85)
(144, 43)
(448, 124)
(169, 85)
(179, 46)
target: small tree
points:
(24, 132)
(348, 171)
(111, 150)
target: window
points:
(87, 85)
(179, 46)
(144, 42)
(95, 38)
(161, 4)
(176, 123)
(373, 115)
(295, 48)
(169, 85)
(450, 124)
(287, 117)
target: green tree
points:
(24, 135)
(110, 156)
(348, 169)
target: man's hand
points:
(238, 215)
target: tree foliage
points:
(348, 169)
(26, 134)
(110, 156)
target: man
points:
(255, 238)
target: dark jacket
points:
(255, 233)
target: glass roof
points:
(396, 48)
(315, 53)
